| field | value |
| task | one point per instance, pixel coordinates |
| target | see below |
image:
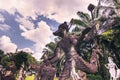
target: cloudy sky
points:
(29, 24)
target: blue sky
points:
(28, 25)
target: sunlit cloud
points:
(26, 24)
(64, 9)
(40, 35)
(7, 45)
(28, 50)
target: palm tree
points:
(84, 20)
(106, 29)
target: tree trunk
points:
(20, 75)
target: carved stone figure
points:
(74, 75)
(45, 71)
(36, 68)
(113, 69)
(67, 44)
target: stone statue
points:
(73, 60)
(45, 71)
(113, 69)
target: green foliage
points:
(7, 59)
(1, 52)
(23, 57)
(112, 36)
(84, 20)
(1, 55)
(16, 59)
(80, 23)
(108, 35)
(116, 37)
(84, 16)
(76, 30)
(31, 59)
(49, 50)
(94, 77)
(51, 46)
(20, 58)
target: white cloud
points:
(64, 9)
(4, 27)
(22, 28)
(25, 24)
(38, 55)
(6, 45)
(28, 50)
(40, 35)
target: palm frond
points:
(80, 23)
(84, 16)
(51, 46)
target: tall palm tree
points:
(106, 29)
(83, 21)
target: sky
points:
(28, 24)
